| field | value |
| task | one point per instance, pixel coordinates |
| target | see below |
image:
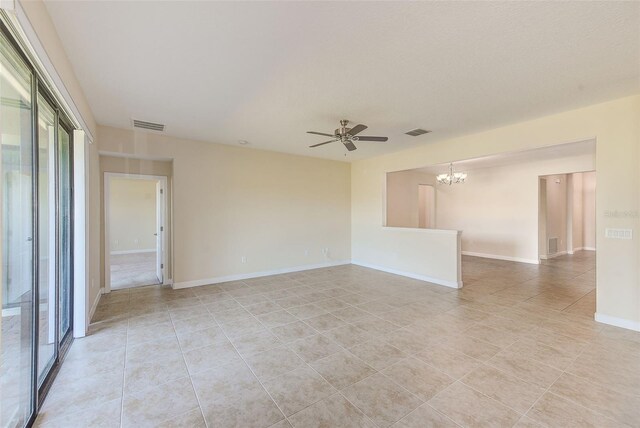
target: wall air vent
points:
(417, 131)
(149, 126)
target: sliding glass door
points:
(36, 225)
(16, 169)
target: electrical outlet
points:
(244, 259)
(306, 252)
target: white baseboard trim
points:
(553, 256)
(444, 282)
(618, 322)
(239, 277)
(95, 306)
(117, 253)
(499, 257)
(575, 250)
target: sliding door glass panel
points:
(47, 237)
(64, 174)
(17, 329)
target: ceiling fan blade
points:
(350, 146)
(320, 133)
(326, 142)
(373, 138)
(357, 129)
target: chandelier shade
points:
(451, 177)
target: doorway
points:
(566, 214)
(135, 230)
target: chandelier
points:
(451, 177)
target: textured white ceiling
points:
(267, 72)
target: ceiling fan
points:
(347, 136)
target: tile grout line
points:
(569, 399)
(124, 373)
(287, 346)
(336, 390)
(184, 361)
(252, 372)
(411, 355)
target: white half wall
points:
(431, 255)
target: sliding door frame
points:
(39, 391)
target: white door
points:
(159, 232)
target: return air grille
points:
(150, 126)
(417, 131)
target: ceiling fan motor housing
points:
(343, 134)
(338, 131)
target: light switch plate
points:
(618, 233)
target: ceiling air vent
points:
(416, 132)
(150, 126)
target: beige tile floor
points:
(133, 270)
(353, 347)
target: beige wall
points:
(589, 210)
(134, 166)
(426, 206)
(403, 198)
(583, 222)
(614, 125)
(577, 213)
(132, 215)
(556, 212)
(278, 211)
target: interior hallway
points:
(350, 346)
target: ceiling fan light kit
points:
(347, 136)
(451, 177)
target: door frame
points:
(108, 176)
